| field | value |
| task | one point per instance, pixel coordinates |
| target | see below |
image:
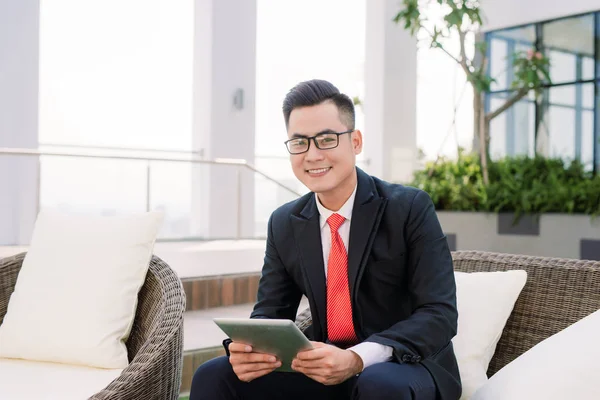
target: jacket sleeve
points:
(278, 294)
(432, 287)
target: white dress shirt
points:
(370, 353)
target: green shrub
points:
(521, 185)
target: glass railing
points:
(201, 199)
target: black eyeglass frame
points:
(314, 139)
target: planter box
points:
(550, 235)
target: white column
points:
(19, 65)
(390, 94)
(223, 116)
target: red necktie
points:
(340, 328)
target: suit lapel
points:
(307, 235)
(366, 216)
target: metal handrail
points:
(219, 161)
(148, 150)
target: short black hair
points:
(317, 91)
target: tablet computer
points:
(280, 337)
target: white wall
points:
(505, 13)
(19, 59)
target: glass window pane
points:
(124, 79)
(523, 35)
(597, 130)
(104, 187)
(587, 90)
(497, 129)
(503, 44)
(587, 68)
(561, 127)
(563, 95)
(587, 139)
(563, 66)
(565, 40)
(117, 74)
(524, 129)
(499, 64)
(512, 132)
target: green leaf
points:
(481, 46)
(454, 19)
(546, 74)
(399, 16)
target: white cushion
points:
(485, 301)
(564, 366)
(76, 294)
(26, 380)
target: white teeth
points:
(317, 171)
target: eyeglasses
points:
(323, 141)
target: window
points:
(117, 74)
(563, 122)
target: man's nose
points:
(314, 153)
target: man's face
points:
(323, 171)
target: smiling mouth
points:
(318, 171)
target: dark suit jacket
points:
(400, 274)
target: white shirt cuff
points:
(372, 353)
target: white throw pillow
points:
(485, 301)
(564, 366)
(76, 294)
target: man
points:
(372, 260)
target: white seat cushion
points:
(76, 294)
(564, 366)
(27, 380)
(485, 301)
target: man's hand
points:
(249, 365)
(328, 364)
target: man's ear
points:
(357, 141)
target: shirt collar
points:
(345, 211)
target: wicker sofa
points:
(558, 293)
(155, 345)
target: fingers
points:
(243, 369)
(245, 358)
(248, 365)
(249, 372)
(236, 347)
(308, 366)
(314, 354)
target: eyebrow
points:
(298, 135)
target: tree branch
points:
(509, 103)
(463, 54)
(441, 47)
